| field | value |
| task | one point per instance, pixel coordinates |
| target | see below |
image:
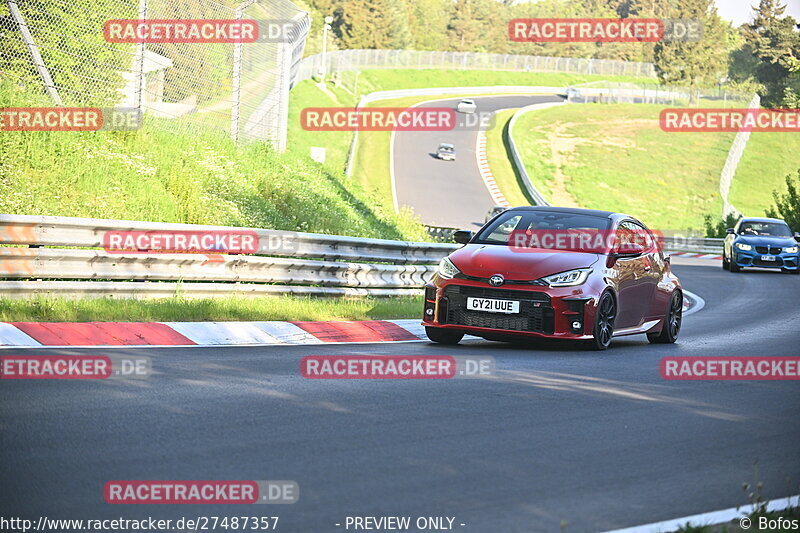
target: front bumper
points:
(563, 313)
(752, 258)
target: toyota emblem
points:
(496, 280)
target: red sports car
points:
(555, 272)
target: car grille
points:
(536, 312)
(758, 262)
(767, 250)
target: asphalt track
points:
(598, 440)
(448, 193)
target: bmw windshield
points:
(767, 229)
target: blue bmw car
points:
(763, 243)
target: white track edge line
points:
(710, 518)
(699, 303)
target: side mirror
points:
(797, 236)
(629, 249)
(462, 236)
(730, 231)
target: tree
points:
(397, 13)
(717, 230)
(694, 62)
(362, 24)
(773, 42)
(477, 26)
(787, 205)
(428, 21)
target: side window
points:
(631, 232)
(643, 236)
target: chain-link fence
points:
(348, 60)
(732, 163)
(605, 92)
(240, 87)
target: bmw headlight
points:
(792, 250)
(569, 278)
(447, 269)
(743, 246)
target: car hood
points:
(485, 260)
(764, 240)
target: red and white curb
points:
(690, 255)
(81, 334)
(486, 172)
(163, 334)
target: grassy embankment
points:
(616, 157)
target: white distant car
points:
(446, 152)
(466, 106)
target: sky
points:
(739, 11)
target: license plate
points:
(491, 305)
(768, 258)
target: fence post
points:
(139, 58)
(38, 62)
(285, 80)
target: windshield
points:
(514, 222)
(772, 229)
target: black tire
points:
(734, 267)
(444, 336)
(603, 330)
(672, 322)
(726, 265)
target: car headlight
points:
(743, 246)
(447, 269)
(792, 250)
(569, 278)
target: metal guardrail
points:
(88, 233)
(516, 159)
(60, 248)
(61, 256)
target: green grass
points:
(767, 160)
(177, 309)
(308, 94)
(500, 161)
(616, 157)
(164, 174)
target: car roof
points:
(573, 210)
(446, 145)
(763, 219)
